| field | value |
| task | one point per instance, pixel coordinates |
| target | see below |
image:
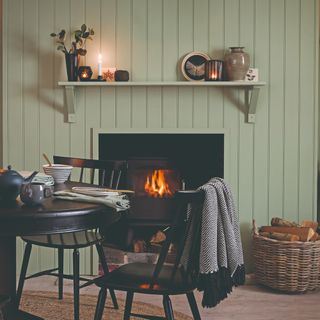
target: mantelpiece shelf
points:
(251, 91)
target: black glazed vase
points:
(72, 64)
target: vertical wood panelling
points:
(231, 111)
(200, 40)
(93, 95)
(108, 47)
(270, 164)
(292, 100)
(15, 113)
(170, 58)
(30, 95)
(185, 27)
(78, 132)
(92, 106)
(261, 139)
(139, 66)
(216, 49)
(123, 58)
(246, 134)
(276, 110)
(15, 156)
(30, 75)
(306, 105)
(62, 129)
(77, 129)
(154, 58)
(47, 51)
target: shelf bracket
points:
(251, 98)
(70, 103)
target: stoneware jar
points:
(237, 64)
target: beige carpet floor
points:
(46, 305)
(249, 302)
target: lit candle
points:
(214, 76)
(100, 65)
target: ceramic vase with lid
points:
(237, 64)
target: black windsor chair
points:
(163, 279)
(109, 176)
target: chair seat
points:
(136, 277)
(70, 240)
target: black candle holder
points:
(214, 70)
(85, 73)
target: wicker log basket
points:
(288, 266)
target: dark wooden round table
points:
(53, 216)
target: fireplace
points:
(158, 165)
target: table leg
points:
(8, 279)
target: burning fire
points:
(157, 186)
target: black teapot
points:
(10, 184)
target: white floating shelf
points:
(251, 91)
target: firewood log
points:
(304, 233)
(315, 237)
(280, 236)
(139, 246)
(279, 222)
(158, 237)
(310, 224)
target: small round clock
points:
(192, 66)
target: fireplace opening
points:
(158, 165)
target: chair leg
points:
(100, 304)
(25, 262)
(60, 272)
(168, 308)
(106, 271)
(127, 310)
(193, 306)
(76, 283)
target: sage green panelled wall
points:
(271, 164)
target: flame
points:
(84, 75)
(148, 286)
(156, 185)
(214, 76)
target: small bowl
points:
(59, 172)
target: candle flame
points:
(99, 58)
(214, 75)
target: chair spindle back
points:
(109, 171)
(184, 233)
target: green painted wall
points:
(271, 164)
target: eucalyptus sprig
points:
(79, 43)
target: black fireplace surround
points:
(188, 160)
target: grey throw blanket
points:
(221, 258)
(220, 231)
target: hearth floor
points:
(249, 302)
